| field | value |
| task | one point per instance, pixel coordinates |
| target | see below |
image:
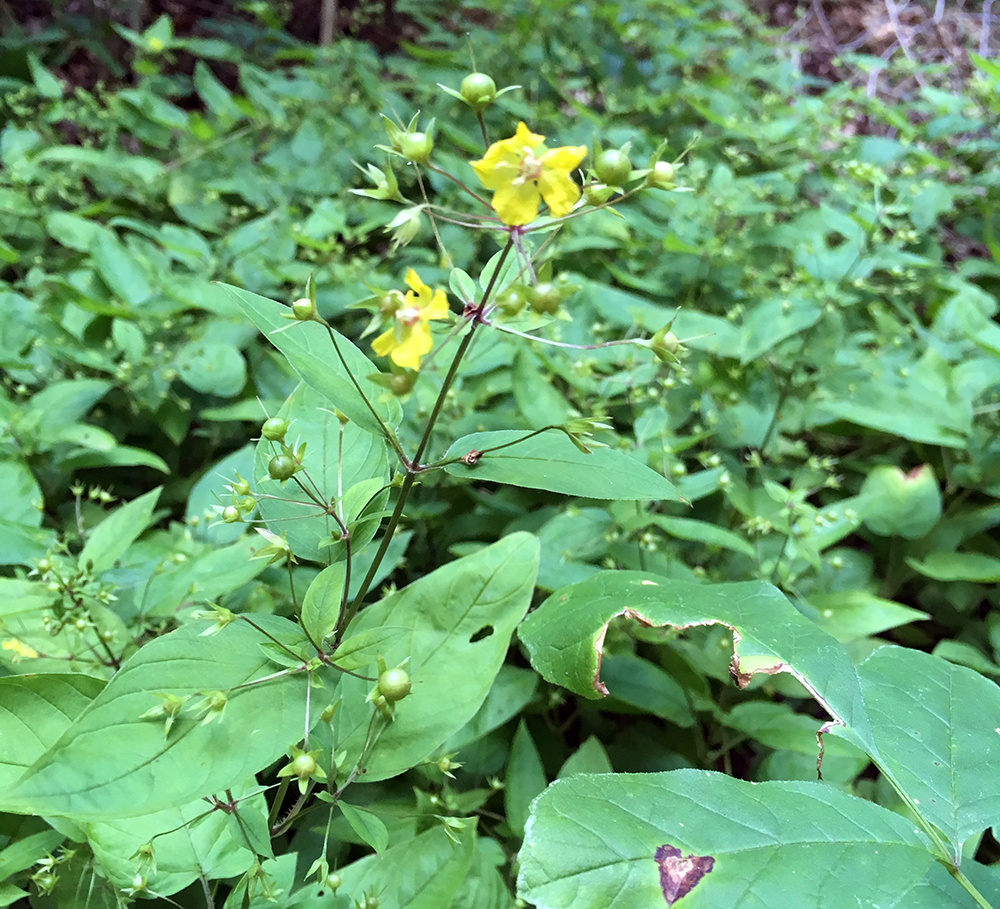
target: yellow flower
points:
(522, 172)
(19, 648)
(409, 338)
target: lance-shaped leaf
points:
(187, 841)
(422, 873)
(111, 761)
(937, 726)
(311, 352)
(707, 841)
(335, 467)
(454, 625)
(551, 461)
(34, 711)
(565, 635)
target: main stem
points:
(413, 467)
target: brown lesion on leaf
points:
(742, 679)
(679, 874)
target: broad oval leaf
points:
(937, 726)
(34, 711)
(311, 352)
(620, 841)
(111, 762)
(564, 636)
(456, 626)
(184, 846)
(335, 467)
(551, 461)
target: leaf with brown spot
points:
(680, 873)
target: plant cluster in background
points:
(788, 362)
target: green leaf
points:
(482, 596)
(22, 495)
(356, 464)
(362, 649)
(72, 231)
(312, 355)
(935, 725)
(524, 779)
(590, 757)
(592, 843)
(646, 686)
(905, 504)
(771, 321)
(149, 770)
(125, 278)
(215, 95)
(184, 850)
(58, 405)
(211, 490)
(119, 456)
(512, 690)
(483, 886)
(34, 711)
(958, 566)
(112, 537)
(551, 461)
(48, 86)
(565, 634)
(211, 367)
(17, 596)
(462, 286)
(537, 399)
(852, 614)
(22, 854)
(321, 604)
(367, 826)
(421, 873)
(9, 893)
(701, 532)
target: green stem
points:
(459, 184)
(386, 431)
(413, 467)
(485, 451)
(278, 799)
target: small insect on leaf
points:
(680, 873)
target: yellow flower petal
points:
(409, 338)
(437, 308)
(566, 159)
(416, 342)
(413, 281)
(517, 203)
(559, 192)
(502, 161)
(521, 172)
(385, 343)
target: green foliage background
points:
(831, 423)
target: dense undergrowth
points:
(827, 264)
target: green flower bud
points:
(281, 467)
(402, 383)
(417, 147)
(661, 175)
(544, 297)
(613, 167)
(394, 684)
(304, 310)
(478, 91)
(511, 303)
(273, 429)
(231, 514)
